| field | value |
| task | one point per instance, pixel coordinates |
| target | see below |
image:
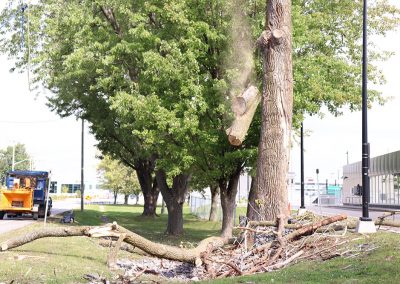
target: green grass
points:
(66, 260)
(151, 228)
(51, 260)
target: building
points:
(384, 172)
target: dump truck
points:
(26, 192)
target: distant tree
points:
(118, 178)
(64, 189)
(6, 158)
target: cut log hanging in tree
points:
(244, 107)
(113, 230)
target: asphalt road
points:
(373, 214)
(7, 225)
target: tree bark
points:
(148, 185)
(251, 205)
(174, 199)
(277, 102)
(244, 108)
(115, 197)
(228, 193)
(126, 197)
(214, 203)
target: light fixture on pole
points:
(365, 224)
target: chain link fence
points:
(201, 206)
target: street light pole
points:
(365, 144)
(365, 224)
(302, 167)
(82, 167)
(13, 157)
(318, 192)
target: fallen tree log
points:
(113, 230)
(307, 230)
(273, 224)
(390, 223)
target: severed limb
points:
(244, 107)
(113, 230)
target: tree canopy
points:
(154, 78)
(21, 158)
(117, 177)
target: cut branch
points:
(308, 230)
(112, 230)
(244, 108)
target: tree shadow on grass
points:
(152, 228)
(62, 254)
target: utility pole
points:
(319, 195)
(13, 157)
(347, 156)
(302, 167)
(82, 167)
(365, 224)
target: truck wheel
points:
(2, 213)
(35, 216)
(49, 212)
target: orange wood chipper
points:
(26, 193)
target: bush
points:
(78, 193)
(64, 189)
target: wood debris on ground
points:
(259, 247)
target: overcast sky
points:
(54, 143)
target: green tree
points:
(64, 189)
(21, 157)
(153, 79)
(118, 178)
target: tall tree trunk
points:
(115, 197)
(228, 202)
(148, 185)
(214, 203)
(174, 199)
(251, 206)
(137, 199)
(126, 197)
(277, 103)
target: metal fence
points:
(201, 207)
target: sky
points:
(330, 138)
(54, 143)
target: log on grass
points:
(389, 223)
(273, 224)
(113, 230)
(244, 107)
(308, 230)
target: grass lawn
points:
(66, 260)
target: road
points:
(373, 214)
(7, 225)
